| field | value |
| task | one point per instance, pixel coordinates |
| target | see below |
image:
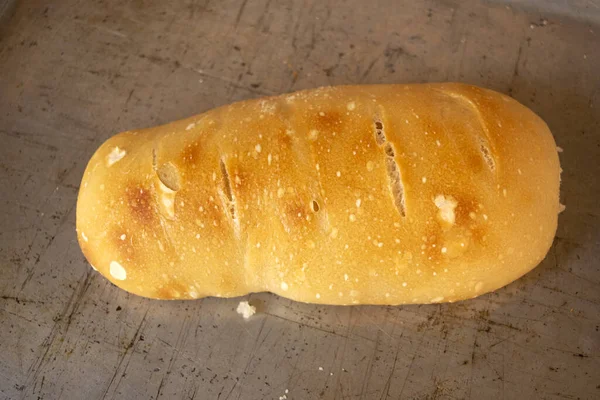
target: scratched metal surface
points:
(72, 73)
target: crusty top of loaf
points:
(379, 194)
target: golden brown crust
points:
(383, 194)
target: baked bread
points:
(380, 194)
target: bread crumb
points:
(351, 106)
(318, 296)
(117, 271)
(437, 299)
(338, 174)
(345, 277)
(85, 239)
(245, 309)
(313, 134)
(352, 217)
(370, 166)
(424, 179)
(284, 286)
(190, 126)
(269, 159)
(258, 148)
(115, 155)
(561, 208)
(559, 149)
(320, 368)
(438, 143)
(446, 205)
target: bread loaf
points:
(382, 194)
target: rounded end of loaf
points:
(384, 194)
(522, 195)
(143, 226)
(112, 204)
